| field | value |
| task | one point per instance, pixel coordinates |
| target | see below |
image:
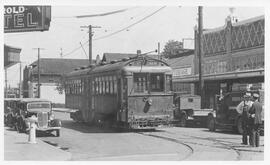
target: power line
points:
(123, 29)
(98, 15)
(118, 31)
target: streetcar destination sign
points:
(26, 18)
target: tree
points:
(60, 87)
(172, 48)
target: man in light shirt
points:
(243, 109)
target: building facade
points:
(51, 71)
(183, 69)
(233, 58)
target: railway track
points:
(222, 144)
(183, 141)
(191, 150)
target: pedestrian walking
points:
(255, 120)
(243, 110)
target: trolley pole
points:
(39, 70)
(90, 40)
(200, 29)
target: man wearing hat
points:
(256, 120)
(243, 110)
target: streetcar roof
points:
(151, 69)
(123, 65)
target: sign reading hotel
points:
(26, 18)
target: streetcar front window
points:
(140, 82)
(157, 82)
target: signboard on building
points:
(11, 55)
(182, 72)
(26, 18)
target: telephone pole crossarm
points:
(90, 40)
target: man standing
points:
(243, 109)
(256, 120)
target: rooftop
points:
(58, 66)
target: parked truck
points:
(225, 115)
(188, 109)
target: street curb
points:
(16, 147)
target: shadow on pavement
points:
(87, 128)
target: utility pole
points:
(6, 82)
(90, 40)
(200, 29)
(38, 70)
(61, 52)
(20, 85)
(159, 51)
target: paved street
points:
(92, 143)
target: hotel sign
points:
(26, 18)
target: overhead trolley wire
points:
(118, 31)
(123, 29)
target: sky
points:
(170, 23)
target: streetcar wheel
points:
(239, 126)
(183, 121)
(211, 123)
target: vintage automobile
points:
(225, 115)
(42, 110)
(9, 109)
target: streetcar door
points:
(122, 102)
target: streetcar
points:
(131, 93)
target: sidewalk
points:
(17, 148)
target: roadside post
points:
(32, 131)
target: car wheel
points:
(211, 123)
(239, 125)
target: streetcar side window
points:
(157, 82)
(168, 82)
(114, 85)
(140, 82)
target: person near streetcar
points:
(255, 121)
(243, 109)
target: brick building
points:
(233, 58)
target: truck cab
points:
(188, 109)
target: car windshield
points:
(39, 106)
